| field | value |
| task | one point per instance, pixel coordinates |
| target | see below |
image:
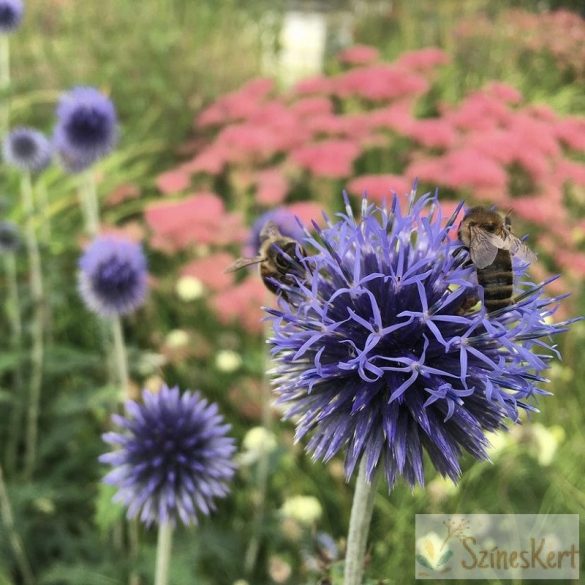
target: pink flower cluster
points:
(358, 130)
(559, 34)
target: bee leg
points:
(469, 301)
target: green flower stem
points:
(37, 349)
(13, 310)
(134, 547)
(42, 205)
(89, 203)
(43, 200)
(120, 357)
(359, 526)
(163, 553)
(13, 536)
(4, 83)
(263, 468)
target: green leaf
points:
(445, 557)
(423, 561)
(8, 360)
(107, 512)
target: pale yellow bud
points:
(304, 509)
(189, 288)
(228, 361)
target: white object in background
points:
(303, 40)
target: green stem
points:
(4, 83)
(359, 526)
(13, 536)
(42, 205)
(37, 350)
(123, 379)
(163, 553)
(89, 203)
(263, 469)
(120, 357)
(43, 199)
(13, 310)
(134, 547)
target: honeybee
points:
(279, 258)
(491, 244)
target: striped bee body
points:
(497, 281)
(491, 244)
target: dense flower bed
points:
(373, 127)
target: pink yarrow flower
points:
(210, 270)
(379, 187)
(173, 181)
(359, 55)
(271, 187)
(330, 158)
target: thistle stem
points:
(89, 203)
(13, 310)
(13, 536)
(4, 83)
(121, 357)
(42, 204)
(359, 526)
(163, 553)
(43, 199)
(262, 471)
(123, 378)
(37, 350)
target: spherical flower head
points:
(172, 457)
(286, 222)
(377, 353)
(87, 127)
(9, 237)
(11, 12)
(27, 149)
(113, 276)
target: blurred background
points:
(229, 110)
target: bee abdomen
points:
(497, 281)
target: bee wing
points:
(518, 248)
(243, 262)
(484, 247)
(269, 231)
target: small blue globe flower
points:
(11, 12)
(172, 457)
(286, 222)
(113, 276)
(27, 149)
(377, 354)
(9, 237)
(87, 128)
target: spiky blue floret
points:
(376, 355)
(286, 222)
(27, 149)
(172, 457)
(11, 12)
(112, 276)
(87, 128)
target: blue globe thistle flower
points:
(377, 354)
(87, 128)
(172, 457)
(112, 276)
(286, 222)
(11, 12)
(27, 149)
(9, 237)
